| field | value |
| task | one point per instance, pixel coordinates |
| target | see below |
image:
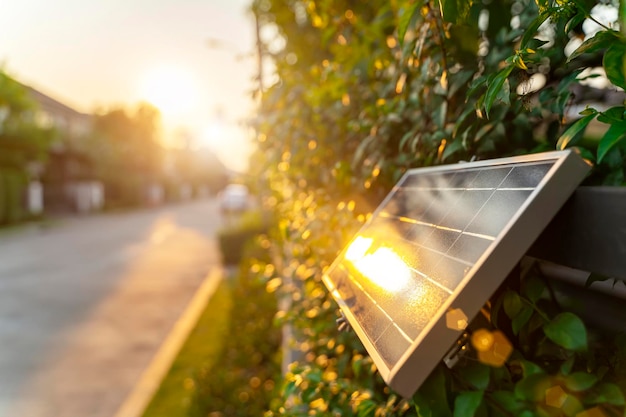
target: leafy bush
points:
(242, 381)
(239, 232)
(22, 142)
(13, 185)
(395, 85)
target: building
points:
(68, 178)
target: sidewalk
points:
(98, 361)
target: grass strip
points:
(201, 351)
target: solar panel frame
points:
(486, 274)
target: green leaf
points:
(289, 389)
(533, 288)
(512, 304)
(449, 10)
(452, 148)
(580, 381)
(530, 368)
(440, 114)
(521, 319)
(476, 84)
(405, 139)
(568, 331)
(532, 29)
(495, 86)
(507, 401)
(577, 19)
(606, 393)
(613, 136)
(456, 11)
(504, 95)
(588, 111)
(600, 41)
(567, 138)
(431, 399)
(612, 115)
(366, 408)
(405, 20)
(476, 374)
(567, 366)
(533, 387)
(614, 64)
(467, 402)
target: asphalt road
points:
(86, 303)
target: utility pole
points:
(259, 47)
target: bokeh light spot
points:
(456, 319)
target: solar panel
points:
(443, 240)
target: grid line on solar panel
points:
(438, 253)
(389, 306)
(391, 320)
(418, 280)
(390, 240)
(497, 187)
(483, 206)
(434, 226)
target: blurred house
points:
(69, 182)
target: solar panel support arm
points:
(588, 233)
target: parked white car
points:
(234, 198)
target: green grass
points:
(200, 353)
(230, 362)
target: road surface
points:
(86, 303)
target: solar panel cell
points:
(497, 212)
(527, 175)
(469, 248)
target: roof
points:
(52, 105)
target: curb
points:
(137, 401)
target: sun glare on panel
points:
(358, 248)
(383, 267)
(172, 90)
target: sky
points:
(94, 55)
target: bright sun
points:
(172, 90)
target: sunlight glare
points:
(358, 248)
(213, 134)
(384, 267)
(172, 90)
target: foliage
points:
(129, 157)
(394, 85)
(605, 48)
(126, 151)
(238, 232)
(244, 382)
(23, 143)
(198, 168)
(22, 140)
